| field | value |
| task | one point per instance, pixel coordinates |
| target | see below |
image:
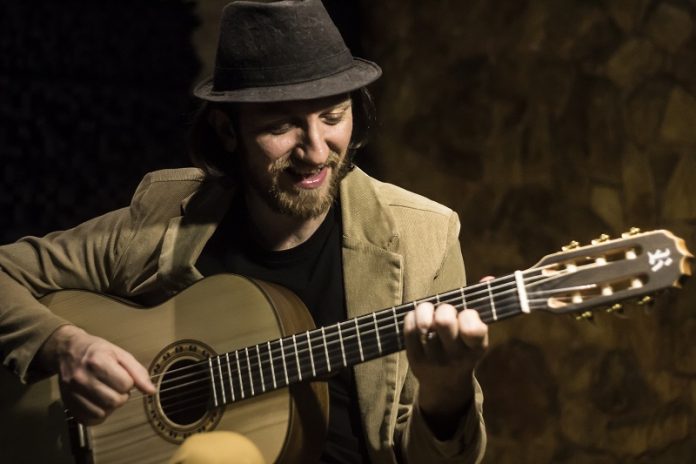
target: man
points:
(278, 199)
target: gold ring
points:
(425, 337)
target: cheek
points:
(274, 148)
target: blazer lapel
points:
(373, 280)
(186, 235)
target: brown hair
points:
(206, 150)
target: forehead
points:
(294, 107)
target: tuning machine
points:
(647, 300)
(585, 316)
(616, 309)
(571, 246)
(631, 232)
(601, 239)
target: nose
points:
(313, 148)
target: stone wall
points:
(541, 122)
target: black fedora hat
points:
(279, 51)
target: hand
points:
(443, 347)
(95, 376)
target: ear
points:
(224, 129)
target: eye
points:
(278, 128)
(333, 118)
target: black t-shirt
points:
(314, 272)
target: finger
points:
(486, 278)
(137, 372)
(412, 338)
(447, 328)
(96, 392)
(427, 332)
(424, 314)
(472, 331)
(103, 363)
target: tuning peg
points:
(631, 232)
(571, 246)
(585, 316)
(615, 309)
(647, 300)
(600, 239)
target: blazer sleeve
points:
(414, 441)
(84, 257)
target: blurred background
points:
(538, 121)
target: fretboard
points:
(317, 353)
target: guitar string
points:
(370, 321)
(387, 316)
(206, 381)
(205, 388)
(302, 348)
(384, 315)
(455, 292)
(254, 359)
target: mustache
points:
(302, 166)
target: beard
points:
(285, 198)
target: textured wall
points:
(540, 122)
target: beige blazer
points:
(397, 247)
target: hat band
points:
(226, 78)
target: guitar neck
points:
(321, 352)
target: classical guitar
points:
(231, 353)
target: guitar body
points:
(217, 315)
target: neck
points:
(276, 231)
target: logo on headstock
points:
(659, 259)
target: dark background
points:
(538, 121)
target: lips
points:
(310, 180)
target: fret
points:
(357, 334)
(270, 360)
(297, 358)
(239, 373)
(343, 351)
(212, 381)
(490, 297)
(263, 382)
(251, 380)
(379, 342)
(311, 356)
(437, 298)
(285, 366)
(229, 375)
(396, 328)
(461, 290)
(326, 350)
(222, 381)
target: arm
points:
(446, 423)
(94, 375)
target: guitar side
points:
(225, 313)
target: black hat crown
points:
(286, 50)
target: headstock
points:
(608, 271)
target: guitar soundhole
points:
(185, 392)
(183, 403)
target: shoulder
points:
(183, 177)
(400, 202)
(166, 192)
(399, 198)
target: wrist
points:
(446, 398)
(57, 343)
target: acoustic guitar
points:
(232, 353)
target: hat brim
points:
(362, 73)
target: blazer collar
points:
(186, 235)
